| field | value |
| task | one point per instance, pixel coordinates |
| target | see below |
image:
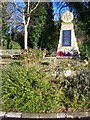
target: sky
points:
(57, 11)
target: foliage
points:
(76, 90)
(14, 45)
(39, 30)
(32, 55)
(10, 34)
(37, 25)
(82, 25)
(4, 43)
(48, 38)
(33, 87)
(26, 89)
(5, 26)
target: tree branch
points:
(35, 7)
(28, 20)
(14, 3)
(24, 19)
(28, 7)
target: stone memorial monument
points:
(67, 39)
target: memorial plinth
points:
(67, 39)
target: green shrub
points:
(31, 88)
(14, 45)
(4, 44)
(37, 53)
(26, 89)
(85, 48)
(75, 88)
(32, 55)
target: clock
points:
(67, 17)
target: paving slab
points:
(80, 114)
(13, 115)
(48, 115)
(2, 114)
(30, 115)
(69, 115)
(61, 115)
(89, 114)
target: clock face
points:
(67, 17)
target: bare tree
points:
(26, 20)
(20, 14)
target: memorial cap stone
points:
(67, 17)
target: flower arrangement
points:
(61, 53)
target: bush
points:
(32, 55)
(26, 89)
(32, 88)
(75, 87)
(14, 45)
(76, 90)
(85, 48)
(4, 43)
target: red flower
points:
(60, 53)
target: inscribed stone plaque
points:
(66, 38)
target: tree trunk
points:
(25, 36)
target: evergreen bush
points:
(32, 88)
(14, 45)
(26, 89)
